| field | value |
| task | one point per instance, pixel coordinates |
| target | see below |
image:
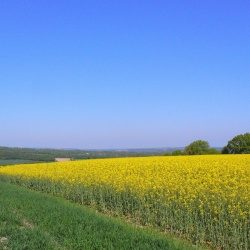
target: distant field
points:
(14, 162)
(49, 155)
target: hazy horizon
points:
(100, 149)
(123, 74)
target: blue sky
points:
(123, 74)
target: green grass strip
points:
(32, 220)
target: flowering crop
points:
(203, 198)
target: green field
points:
(14, 162)
(32, 220)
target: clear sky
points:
(123, 74)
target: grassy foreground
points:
(32, 220)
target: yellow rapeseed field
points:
(203, 198)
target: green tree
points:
(225, 150)
(213, 151)
(197, 148)
(177, 152)
(167, 154)
(240, 144)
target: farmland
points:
(14, 162)
(204, 199)
(48, 155)
(32, 220)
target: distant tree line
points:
(48, 155)
(240, 144)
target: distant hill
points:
(48, 155)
